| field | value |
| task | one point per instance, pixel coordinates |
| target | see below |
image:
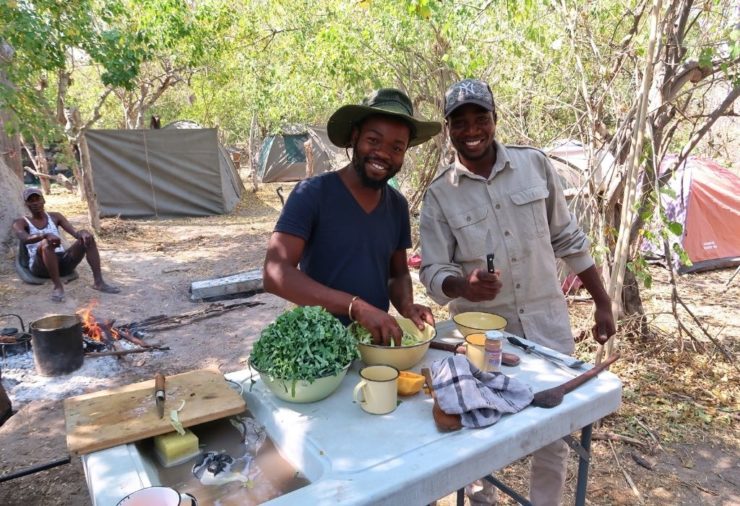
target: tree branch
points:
(96, 111)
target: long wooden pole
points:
(627, 214)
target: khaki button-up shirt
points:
(522, 205)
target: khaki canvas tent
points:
(283, 157)
(180, 170)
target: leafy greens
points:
(365, 337)
(304, 343)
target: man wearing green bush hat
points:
(342, 237)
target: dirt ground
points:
(680, 409)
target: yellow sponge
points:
(173, 449)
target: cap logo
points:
(468, 91)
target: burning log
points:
(119, 353)
(105, 333)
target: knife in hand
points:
(489, 256)
(159, 393)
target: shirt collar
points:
(502, 162)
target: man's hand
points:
(481, 285)
(53, 240)
(604, 327)
(86, 238)
(381, 325)
(419, 315)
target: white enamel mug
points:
(379, 389)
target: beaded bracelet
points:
(349, 309)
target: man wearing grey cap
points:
(506, 202)
(47, 258)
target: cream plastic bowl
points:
(403, 357)
(477, 322)
(305, 391)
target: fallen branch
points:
(719, 346)
(130, 337)
(676, 299)
(118, 353)
(652, 436)
(164, 322)
(732, 277)
(626, 475)
(610, 436)
(696, 485)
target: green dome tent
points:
(283, 157)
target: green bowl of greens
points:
(304, 354)
(414, 345)
(302, 390)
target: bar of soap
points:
(173, 449)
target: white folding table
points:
(351, 457)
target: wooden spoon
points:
(444, 421)
(553, 396)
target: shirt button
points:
(513, 259)
(521, 311)
(518, 285)
(468, 218)
(498, 206)
(507, 233)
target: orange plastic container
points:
(409, 383)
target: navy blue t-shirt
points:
(346, 248)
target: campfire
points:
(103, 338)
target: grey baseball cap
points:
(31, 191)
(469, 91)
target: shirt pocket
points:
(469, 229)
(531, 210)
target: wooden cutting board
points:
(125, 414)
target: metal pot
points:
(57, 344)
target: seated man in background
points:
(47, 258)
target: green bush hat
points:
(387, 102)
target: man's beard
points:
(358, 162)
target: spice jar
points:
(493, 350)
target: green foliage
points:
(683, 257)
(675, 228)
(304, 343)
(639, 267)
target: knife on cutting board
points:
(159, 393)
(489, 248)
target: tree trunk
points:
(252, 162)
(632, 305)
(10, 145)
(10, 148)
(92, 197)
(76, 133)
(42, 165)
(69, 155)
(308, 148)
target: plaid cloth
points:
(480, 398)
